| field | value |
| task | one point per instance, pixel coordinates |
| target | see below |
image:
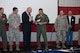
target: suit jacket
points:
(79, 24)
(26, 25)
(72, 22)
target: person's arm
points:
(24, 18)
(46, 20)
(74, 24)
(67, 26)
(18, 21)
(79, 24)
(56, 24)
(36, 18)
(31, 20)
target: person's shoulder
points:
(10, 14)
(45, 14)
(58, 16)
(18, 14)
(24, 12)
(65, 15)
(73, 16)
(37, 15)
(4, 14)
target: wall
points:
(65, 5)
(73, 5)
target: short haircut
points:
(14, 8)
(40, 9)
(1, 8)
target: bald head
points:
(61, 12)
(69, 13)
(29, 10)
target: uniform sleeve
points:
(47, 19)
(79, 24)
(56, 23)
(36, 17)
(66, 23)
(11, 22)
(18, 21)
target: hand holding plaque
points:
(31, 19)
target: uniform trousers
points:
(42, 31)
(60, 36)
(14, 33)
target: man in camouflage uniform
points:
(14, 23)
(61, 26)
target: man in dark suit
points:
(26, 27)
(71, 23)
